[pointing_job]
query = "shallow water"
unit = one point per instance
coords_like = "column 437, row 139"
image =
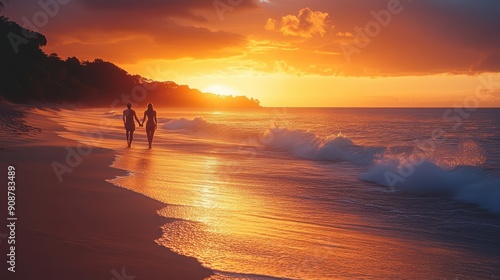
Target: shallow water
column 318, row 193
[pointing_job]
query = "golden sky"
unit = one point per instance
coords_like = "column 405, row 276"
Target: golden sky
column 289, row 52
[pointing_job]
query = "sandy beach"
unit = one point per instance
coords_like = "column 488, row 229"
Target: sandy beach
column 82, row 227
column 256, row 140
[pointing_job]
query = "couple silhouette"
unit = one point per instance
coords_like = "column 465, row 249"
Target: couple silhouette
column 128, row 120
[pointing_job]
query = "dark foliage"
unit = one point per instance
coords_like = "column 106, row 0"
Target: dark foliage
column 29, row 75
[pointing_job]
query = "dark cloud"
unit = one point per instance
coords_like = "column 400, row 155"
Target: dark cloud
column 423, row 37
column 129, row 43
column 127, row 31
column 179, row 8
column 490, row 63
column 427, row 37
column 175, row 5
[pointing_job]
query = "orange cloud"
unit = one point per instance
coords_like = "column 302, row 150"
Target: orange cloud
column 455, row 38
column 270, row 24
column 132, row 46
column 307, row 24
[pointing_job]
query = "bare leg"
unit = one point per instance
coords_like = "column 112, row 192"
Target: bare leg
column 128, row 138
column 152, row 134
column 131, row 138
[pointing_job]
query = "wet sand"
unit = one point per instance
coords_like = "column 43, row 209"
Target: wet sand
column 82, row 227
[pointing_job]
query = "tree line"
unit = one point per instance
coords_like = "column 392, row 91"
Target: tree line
column 30, row 75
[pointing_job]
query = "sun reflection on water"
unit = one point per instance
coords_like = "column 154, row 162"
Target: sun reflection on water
column 266, row 218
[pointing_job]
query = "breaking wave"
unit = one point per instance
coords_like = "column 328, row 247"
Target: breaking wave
column 457, row 174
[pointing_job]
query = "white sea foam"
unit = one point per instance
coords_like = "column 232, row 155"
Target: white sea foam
column 305, row 144
column 465, row 183
column 185, row 124
column 453, row 173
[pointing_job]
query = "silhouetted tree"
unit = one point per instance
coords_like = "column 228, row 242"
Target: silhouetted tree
column 28, row 74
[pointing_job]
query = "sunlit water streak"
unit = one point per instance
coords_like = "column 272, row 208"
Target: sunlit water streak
column 273, row 193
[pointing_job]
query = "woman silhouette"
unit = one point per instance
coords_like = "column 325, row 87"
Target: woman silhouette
column 152, row 123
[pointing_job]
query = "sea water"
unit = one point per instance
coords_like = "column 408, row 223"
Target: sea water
column 288, row 193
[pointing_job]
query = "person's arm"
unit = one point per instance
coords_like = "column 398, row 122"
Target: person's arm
column 156, row 121
column 144, row 119
column 137, row 119
column 123, row 117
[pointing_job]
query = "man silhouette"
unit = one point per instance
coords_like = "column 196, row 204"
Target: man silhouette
column 128, row 120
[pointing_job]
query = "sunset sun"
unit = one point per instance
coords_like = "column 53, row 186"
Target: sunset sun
column 220, row 90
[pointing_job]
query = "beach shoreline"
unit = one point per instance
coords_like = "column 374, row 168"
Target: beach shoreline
column 81, row 227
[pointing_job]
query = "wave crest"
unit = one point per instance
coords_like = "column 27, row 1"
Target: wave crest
column 307, row 145
column 425, row 177
column 450, row 171
column 185, row 124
